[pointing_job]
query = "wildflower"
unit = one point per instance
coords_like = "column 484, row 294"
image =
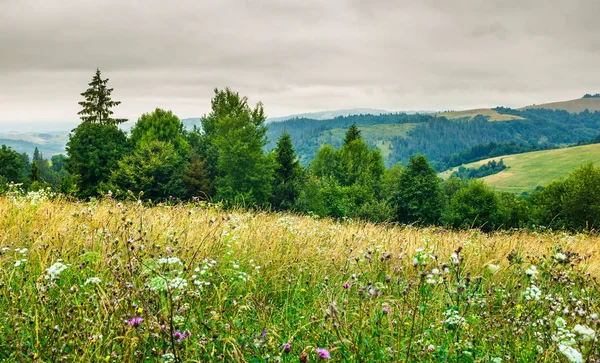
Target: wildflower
column 179, row 336
column 346, row 285
column 178, row 283
column 374, row 292
column 263, row 333
column 586, row 333
column 287, row 347
column 158, row 283
column 19, row 262
column 92, row 280
column 168, row 357
column 454, row 258
column 323, row 353
column 532, row 271
column 572, row 354
column 454, row 319
column 135, row 322
column 53, row 272
column 561, row 257
column 168, row 261
column 560, row 323
column 532, row 293
column 430, row 348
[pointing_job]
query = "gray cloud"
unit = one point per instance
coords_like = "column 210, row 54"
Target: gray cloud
column 295, row 55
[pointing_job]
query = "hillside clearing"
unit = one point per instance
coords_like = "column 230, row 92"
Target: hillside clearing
column 572, row 106
column 492, row 114
column 526, row 171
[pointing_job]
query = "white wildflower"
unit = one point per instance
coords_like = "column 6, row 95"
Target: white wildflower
column 586, row 333
column 93, row 280
column 572, row 354
column 168, row 357
column 53, row 272
column 454, row 258
column 560, row 257
column 178, row 283
column 169, row 260
column 532, row 271
column 532, row 293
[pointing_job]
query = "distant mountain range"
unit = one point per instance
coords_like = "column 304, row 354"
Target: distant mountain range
column 327, row 115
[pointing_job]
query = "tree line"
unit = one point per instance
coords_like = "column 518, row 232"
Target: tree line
column 224, row 160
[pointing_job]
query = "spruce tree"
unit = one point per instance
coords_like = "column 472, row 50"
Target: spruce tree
column 98, row 103
column 352, row 134
column 35, row 174
column 287, row 173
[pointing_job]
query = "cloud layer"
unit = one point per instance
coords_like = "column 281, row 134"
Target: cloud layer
column 295, row 55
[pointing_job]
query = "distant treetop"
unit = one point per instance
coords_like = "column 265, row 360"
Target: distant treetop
column 587, row 95
column 98, row 103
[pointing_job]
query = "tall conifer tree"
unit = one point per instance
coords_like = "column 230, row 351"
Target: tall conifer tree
column 98, row 103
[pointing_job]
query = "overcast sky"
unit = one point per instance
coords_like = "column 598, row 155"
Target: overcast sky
column 295, row 56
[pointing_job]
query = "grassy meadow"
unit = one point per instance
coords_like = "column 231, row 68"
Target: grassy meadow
column 526, row 171
column 107, row 281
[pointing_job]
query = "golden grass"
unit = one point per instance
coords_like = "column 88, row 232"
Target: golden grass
column 273, row 239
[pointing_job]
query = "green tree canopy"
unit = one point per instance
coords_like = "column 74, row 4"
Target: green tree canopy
column 238, row 134
column 419, row 197
column 154, row 169
column 160, row 125
column 11, row 165
column 98, row 104
column 474, row 205
column 93, row 151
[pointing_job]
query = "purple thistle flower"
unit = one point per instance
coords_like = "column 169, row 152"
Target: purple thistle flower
column 179, row 336
column 135, row 322
column 386, row 310
column 263, row 334
column 287, row 347
column 346, row 285
column 323, row 353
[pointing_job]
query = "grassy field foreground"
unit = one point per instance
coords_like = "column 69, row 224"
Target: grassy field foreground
column 112, row 282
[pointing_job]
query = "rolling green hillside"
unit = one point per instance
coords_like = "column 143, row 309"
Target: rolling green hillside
column 527, row 171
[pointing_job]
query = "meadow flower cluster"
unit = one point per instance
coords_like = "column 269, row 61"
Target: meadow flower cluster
column 119, row 282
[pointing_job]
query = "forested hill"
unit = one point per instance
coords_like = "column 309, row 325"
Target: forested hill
column 400, row 135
